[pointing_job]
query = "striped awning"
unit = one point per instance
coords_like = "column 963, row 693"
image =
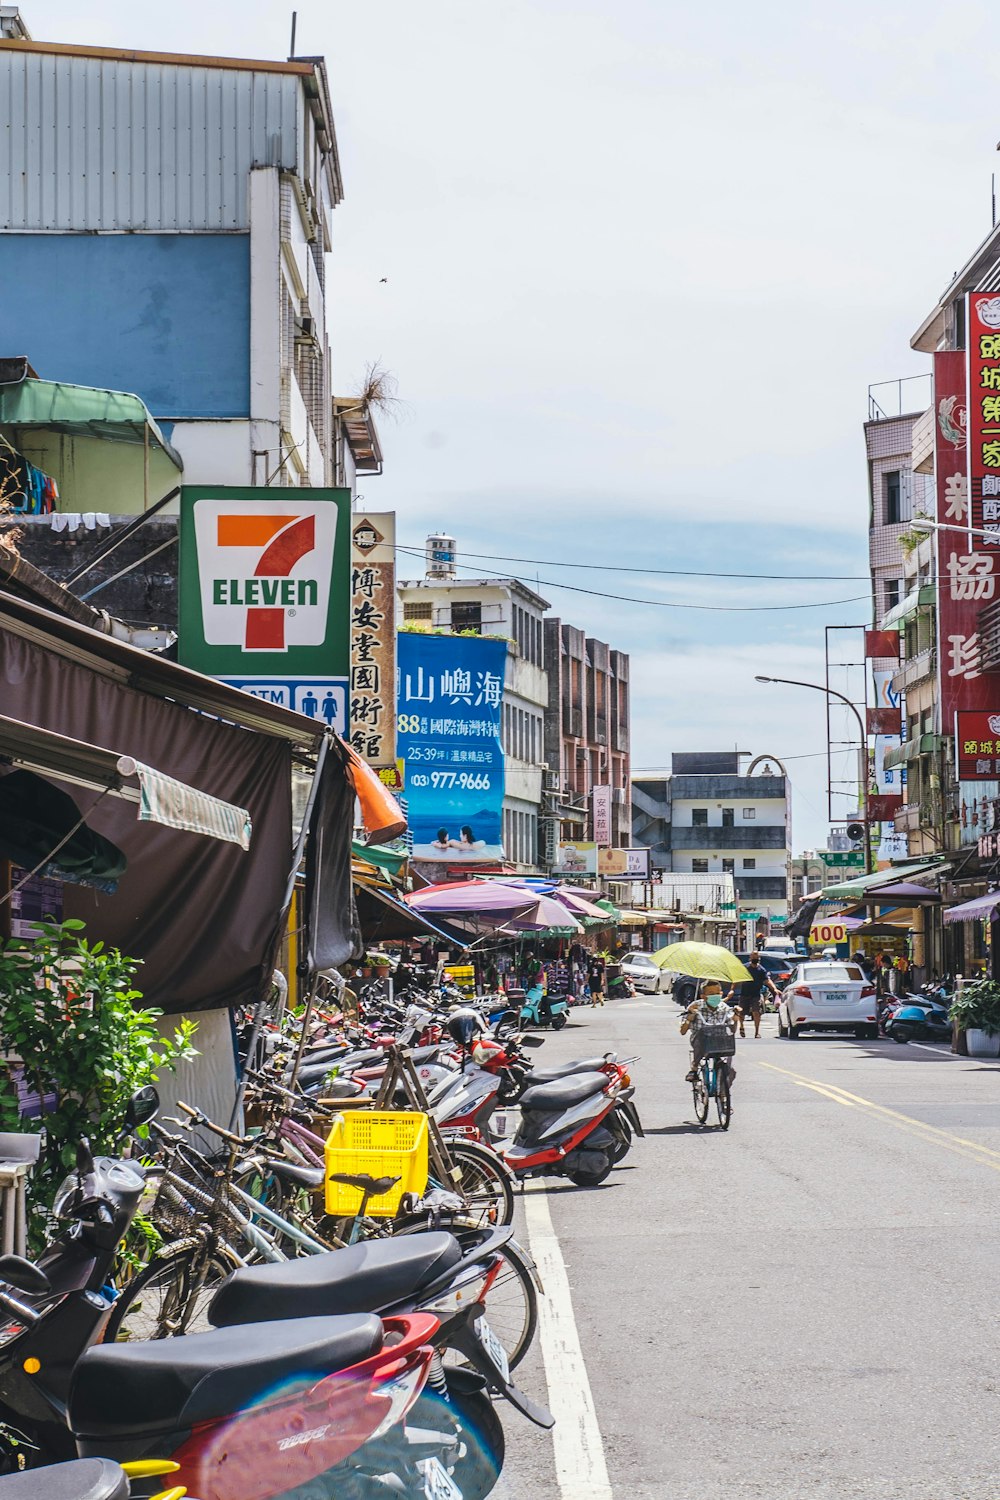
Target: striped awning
column 176, row 805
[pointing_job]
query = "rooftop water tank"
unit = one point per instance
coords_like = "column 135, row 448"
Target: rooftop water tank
column 440, row 554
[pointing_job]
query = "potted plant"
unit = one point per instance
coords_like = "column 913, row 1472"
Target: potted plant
column 976, row 1011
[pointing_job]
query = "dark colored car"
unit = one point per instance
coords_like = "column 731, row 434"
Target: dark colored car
column 780, row 966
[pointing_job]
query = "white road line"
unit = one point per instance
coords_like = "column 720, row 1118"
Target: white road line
column 581, row 1471
column 942, row 1049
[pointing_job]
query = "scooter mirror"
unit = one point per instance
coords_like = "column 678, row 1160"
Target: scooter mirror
column 22, row 1275
column 532, row 1041
column 142, row 1106
column 84, row 1157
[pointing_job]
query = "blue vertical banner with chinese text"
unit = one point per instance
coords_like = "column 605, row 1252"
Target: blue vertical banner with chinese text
column 449, row 702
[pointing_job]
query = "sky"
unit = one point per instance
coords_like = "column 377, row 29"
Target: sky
column 641, row 264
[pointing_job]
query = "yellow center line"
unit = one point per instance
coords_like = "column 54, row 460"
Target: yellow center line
column 827, row 1093
column 985, row 1155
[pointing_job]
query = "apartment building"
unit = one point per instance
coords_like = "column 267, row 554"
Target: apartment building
column 164, row 225
column 587, row 735
column 706, row 816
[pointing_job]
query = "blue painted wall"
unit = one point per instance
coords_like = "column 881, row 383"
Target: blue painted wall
column 165, row 316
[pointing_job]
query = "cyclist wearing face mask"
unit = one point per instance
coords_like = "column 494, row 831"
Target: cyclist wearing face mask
column 708, row 1010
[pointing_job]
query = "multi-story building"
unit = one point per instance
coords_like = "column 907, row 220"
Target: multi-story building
column 587, row 735
column 164, row 223
column 441, row 601
column 896, row 491
column 707, row 817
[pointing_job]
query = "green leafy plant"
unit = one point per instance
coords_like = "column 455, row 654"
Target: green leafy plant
column 68, row 1018
column 978, row 1006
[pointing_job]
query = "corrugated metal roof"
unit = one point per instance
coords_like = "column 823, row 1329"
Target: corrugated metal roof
column 113, row 142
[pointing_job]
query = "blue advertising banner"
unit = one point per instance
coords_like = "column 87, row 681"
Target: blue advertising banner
column 448, row 734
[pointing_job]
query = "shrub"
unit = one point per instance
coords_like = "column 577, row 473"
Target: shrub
column 67, row 1013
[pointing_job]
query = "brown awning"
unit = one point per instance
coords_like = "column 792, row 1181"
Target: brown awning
column 202, row 915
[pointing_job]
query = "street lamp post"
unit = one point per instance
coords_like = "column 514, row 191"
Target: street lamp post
column 832, row 693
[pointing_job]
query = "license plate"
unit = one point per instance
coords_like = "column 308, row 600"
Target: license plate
column 438, row 1483
column 493, row 1347
column 835, row 997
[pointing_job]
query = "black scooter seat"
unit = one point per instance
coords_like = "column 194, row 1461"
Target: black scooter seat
column 549, row 1075
column 82, row 1479
column 370, row 1277
column 172, row 1383
column 563, row 1093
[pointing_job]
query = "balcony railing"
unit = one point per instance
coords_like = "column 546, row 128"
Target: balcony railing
column 915, row 670
column 756, row 836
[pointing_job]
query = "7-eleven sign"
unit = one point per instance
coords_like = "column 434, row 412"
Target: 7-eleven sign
column 264, row 571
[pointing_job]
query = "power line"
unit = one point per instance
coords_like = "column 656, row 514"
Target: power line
column 553, row 562
column 551, row 583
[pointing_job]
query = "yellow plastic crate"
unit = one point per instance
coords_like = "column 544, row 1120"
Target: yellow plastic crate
column 382, row 1144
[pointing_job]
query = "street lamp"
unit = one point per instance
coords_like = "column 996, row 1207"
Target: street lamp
column 832, row 693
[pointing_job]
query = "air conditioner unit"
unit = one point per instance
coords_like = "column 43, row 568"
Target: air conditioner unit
column 305, row 327
column 551, row 780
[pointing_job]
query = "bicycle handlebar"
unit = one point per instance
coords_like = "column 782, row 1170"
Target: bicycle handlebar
column 202, row 1119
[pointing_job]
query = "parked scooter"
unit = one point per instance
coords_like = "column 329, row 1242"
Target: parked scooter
column 568, row 1127
column 90, row 1479
column 914, row 1018
column 539, row 1009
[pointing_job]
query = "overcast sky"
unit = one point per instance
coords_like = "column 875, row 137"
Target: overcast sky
column 643, row 261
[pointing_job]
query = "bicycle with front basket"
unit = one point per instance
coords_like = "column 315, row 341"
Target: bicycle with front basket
column 711, row 1080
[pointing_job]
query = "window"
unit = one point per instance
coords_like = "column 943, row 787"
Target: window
column 728, row 817
column 749, row 864
column 699, row 817
column 749, row 813
column 893, row 497
column 417, row 611
column 699, row 866
column 893, row 590
column 728, row 866
column 467, row 616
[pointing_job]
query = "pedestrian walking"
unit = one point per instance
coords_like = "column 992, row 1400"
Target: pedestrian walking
column 595, row 979
column 751, row 993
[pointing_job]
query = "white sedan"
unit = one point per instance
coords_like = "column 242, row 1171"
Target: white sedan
column 828, row 996
column 641, row 972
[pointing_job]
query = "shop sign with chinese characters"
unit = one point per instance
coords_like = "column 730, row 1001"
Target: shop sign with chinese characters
column 977, row 746
column 965, row 572
column 371, row 706
column 449, row 698
column 601, row 796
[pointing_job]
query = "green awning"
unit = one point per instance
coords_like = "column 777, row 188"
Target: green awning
column 392, row 860
column 82, row 411
column 609, row 907
column 850, row 890
column 921, row 744
column 917, row 599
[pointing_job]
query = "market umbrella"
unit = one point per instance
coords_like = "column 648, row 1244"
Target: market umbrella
column 547, row 912
column 476, row 898
column 702, row 961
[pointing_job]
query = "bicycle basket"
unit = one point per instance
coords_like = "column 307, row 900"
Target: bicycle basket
column 186, row 1199
column 718, row 1041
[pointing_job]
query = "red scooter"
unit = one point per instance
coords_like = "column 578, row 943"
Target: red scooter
column 570, row 1124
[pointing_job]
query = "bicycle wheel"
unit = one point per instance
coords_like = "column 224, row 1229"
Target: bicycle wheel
column 723, row 1100
column 512, row 1301
column 170, row 1296
column 700, row 1090
column 486, row 1182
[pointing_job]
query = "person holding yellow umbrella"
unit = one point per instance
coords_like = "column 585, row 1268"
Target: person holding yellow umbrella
column 714, row 966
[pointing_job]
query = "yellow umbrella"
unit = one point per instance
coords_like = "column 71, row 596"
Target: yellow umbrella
column 702, row 961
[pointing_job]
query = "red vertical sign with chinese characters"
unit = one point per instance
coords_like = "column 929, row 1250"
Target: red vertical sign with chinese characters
column 965, row 564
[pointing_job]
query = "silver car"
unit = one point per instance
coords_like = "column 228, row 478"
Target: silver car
column 641, row 972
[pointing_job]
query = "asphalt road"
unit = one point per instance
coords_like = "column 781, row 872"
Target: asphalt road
column 805, row 1306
